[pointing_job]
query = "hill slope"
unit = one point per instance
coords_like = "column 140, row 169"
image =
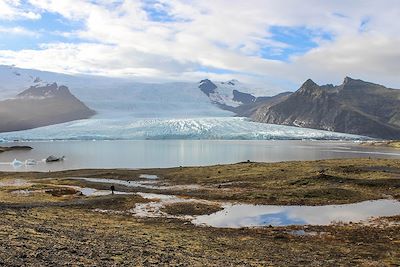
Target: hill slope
column 41, row 106
column 355, row 107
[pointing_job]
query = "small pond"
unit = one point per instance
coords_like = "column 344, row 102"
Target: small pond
column 245, row 215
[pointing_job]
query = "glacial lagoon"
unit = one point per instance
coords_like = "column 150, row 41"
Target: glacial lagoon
column 133, row 154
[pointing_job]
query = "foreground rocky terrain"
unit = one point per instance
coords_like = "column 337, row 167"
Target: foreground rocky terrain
column 44, row 220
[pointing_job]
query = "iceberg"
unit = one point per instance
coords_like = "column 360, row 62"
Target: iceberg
column 16, row 163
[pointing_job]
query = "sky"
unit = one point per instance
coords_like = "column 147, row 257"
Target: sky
column 273, row 44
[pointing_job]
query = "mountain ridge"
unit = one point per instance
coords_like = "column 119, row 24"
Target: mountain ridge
column 41, row 106
column 355, row 107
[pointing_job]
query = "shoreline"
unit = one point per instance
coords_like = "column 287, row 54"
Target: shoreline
column 385, row 143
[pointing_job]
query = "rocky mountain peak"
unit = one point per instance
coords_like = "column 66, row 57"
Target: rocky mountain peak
column 46, row 91
column 207, row 86
column 355, row 107
column 353, row 84
column 347, row 80
column 309, row 83
column 309, row 87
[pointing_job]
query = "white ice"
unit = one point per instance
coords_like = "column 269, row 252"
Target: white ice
column 224, row 128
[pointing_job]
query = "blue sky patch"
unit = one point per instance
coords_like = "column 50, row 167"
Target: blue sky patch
column 364, row 24
column 297, row 40
column 215, row 70
column 157, row 12
column 47, row 29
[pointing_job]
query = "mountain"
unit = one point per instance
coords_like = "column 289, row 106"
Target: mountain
column 226, row 95
column 247, row 109
column 132, row 109
column 119, row 97
column 41, row 105
column 116, row 97
column 235, row 97
column 355, row 107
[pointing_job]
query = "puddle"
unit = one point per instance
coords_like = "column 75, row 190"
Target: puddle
column 243, row 215
column 137, row 184
column 87, row 191
column 148, row 176
column 303, row 233
column 238, row 215
column 142, row 184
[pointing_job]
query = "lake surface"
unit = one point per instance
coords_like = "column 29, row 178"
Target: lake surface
column 172, row 153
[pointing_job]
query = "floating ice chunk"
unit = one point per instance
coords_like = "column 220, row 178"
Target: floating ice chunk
column 17, row 163
column 30, row 162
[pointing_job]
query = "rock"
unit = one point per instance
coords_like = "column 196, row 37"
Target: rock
column 54, row 158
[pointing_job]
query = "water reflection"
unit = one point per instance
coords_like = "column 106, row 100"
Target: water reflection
column 235, row 216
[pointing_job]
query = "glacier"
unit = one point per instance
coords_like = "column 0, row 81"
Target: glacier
column 214, row 128
column 132, row 110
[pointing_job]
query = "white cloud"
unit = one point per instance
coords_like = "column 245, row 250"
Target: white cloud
column 18, row 31
column 120, row 38
column 13, row 9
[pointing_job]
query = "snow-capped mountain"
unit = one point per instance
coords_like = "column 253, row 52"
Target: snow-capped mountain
column 112, row 96
column 227, row 94
column 127, row 109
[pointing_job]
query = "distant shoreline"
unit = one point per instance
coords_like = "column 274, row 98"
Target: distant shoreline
column 390, row 143
column 12, row 148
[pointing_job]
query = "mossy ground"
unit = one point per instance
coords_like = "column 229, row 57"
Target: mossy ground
column 191, row 208
column 53, row 229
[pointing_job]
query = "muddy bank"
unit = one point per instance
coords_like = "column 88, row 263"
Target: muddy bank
column 391, row 144
column 13, row 148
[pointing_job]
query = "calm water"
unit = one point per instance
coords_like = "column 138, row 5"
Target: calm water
column 235, row 216
column 171, row 153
